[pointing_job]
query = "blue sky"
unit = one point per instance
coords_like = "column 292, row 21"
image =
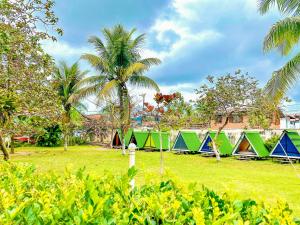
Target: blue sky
column 193, row 38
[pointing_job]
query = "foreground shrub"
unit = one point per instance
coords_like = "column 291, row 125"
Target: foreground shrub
column 31, row 198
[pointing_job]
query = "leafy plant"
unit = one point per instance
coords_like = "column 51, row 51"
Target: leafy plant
column 28, row 197
column 52, row 137
column 271, row 142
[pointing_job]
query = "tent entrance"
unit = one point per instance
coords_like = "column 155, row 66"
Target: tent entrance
column 133, row 140
column 116, row 140
column 180, row 144
column 245, row 148
column 150, row 143
column 207, row 146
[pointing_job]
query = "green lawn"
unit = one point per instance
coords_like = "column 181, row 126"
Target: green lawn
column 261, row 180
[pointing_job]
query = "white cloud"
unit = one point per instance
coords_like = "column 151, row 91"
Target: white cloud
column 60, row 49
column 179, row 23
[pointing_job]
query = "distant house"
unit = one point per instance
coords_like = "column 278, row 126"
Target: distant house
column 240, row 121
column 290, row 121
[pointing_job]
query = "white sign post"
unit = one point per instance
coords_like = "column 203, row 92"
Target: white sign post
column 132, row 148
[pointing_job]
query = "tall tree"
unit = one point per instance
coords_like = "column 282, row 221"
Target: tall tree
column 284, row 35
column 226, row 96
column 119, row 64
column 66, row 79
column 24, row 66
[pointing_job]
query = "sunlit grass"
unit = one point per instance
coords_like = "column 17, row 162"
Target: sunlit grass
column 261, row 180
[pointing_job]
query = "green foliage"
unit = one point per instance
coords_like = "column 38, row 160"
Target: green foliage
column 271, row 142
column 75, row 140
column 284, row 36
column 118, row 63
column 51, row 138
column 28, row 197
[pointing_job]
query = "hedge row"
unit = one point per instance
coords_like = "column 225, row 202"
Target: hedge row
column 28, row 197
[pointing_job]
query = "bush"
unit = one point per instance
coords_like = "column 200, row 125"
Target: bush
column 271, row 142
column 28, row 197
column 51, row 138
column 75, row 140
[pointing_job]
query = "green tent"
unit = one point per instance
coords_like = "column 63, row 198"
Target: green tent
column 153, row 141
column 251, row 144
column 187, row 141
column 128, row 136
column 223, row 143
column 139, row 138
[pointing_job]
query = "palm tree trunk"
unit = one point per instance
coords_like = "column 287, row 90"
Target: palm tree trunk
column 124, row 112
column 122, row 117
column 3, row 148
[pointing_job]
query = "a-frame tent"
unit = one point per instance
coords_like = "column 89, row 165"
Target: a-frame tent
column 117, row 142
column 288, row 145
column 153, row 141
column 224, row 146
column 251, row 144
column 187, row 141
column 139, row 138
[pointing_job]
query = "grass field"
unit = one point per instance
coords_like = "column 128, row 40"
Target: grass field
column 260, row 180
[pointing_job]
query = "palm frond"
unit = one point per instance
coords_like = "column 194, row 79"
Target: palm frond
column 138, row 42
column 99, row 46
column 92, row 80
column 97, row 62
column 134, row 68
column 84, row 92
column 290, row 7
column 284, row 78
column 143, row 81
column 108, row 89
column 283, row 35
column 150, row 62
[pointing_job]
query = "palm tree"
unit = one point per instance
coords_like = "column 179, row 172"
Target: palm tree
column 119, row 63
column 284, row 35
column 66, row 79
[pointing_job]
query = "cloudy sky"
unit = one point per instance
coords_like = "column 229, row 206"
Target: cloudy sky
column 193, row 38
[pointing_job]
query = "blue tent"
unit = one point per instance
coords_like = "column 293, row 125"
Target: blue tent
column 287, row 146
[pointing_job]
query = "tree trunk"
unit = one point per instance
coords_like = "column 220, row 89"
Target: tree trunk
column 161, row 154
column 65, row 141
column 214, row 145
column 124, row 109
column 3, row 149
column 12, row 144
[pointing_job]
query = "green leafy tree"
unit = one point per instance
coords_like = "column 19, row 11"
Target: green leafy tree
column 226, row 96
column 24, row 66
column 65, row 80
column 119, row 63
column 284, row 36
column 8, row 106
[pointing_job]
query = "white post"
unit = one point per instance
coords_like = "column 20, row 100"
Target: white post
column 131, row 149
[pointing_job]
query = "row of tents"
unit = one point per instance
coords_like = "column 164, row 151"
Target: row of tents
column 142, row 139
column 250, row 143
